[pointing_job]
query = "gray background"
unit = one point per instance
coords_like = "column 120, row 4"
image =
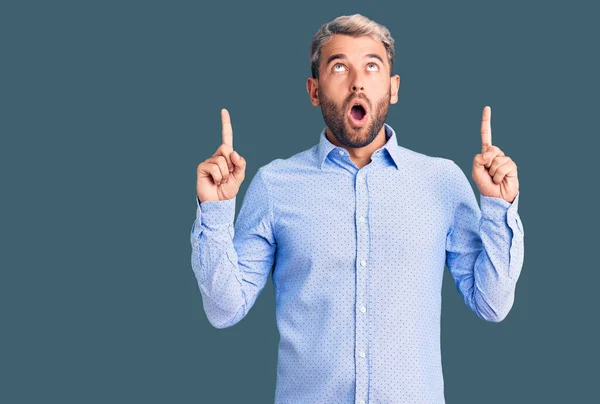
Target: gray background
column 107, row 108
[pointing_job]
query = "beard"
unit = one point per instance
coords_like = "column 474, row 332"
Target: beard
column 338, row 123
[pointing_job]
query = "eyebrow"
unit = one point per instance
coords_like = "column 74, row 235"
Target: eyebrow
column 343, row 56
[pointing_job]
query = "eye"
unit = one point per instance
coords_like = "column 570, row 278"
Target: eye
column 368, row 64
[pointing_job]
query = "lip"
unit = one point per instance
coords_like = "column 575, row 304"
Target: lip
column 363, row 104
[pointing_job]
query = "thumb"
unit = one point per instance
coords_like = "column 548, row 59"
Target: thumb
column 480, row 161
column 239, row 162
column 479, row 171
column 235, row 156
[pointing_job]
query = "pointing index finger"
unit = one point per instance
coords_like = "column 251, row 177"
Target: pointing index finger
column 227, row 131
column 486, row 128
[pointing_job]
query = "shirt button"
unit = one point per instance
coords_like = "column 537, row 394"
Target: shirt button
column 363, row 309
column 341, row 152
column 361, row 354
column 361, row 219
column 363, row 263
column 195, row 244
column 361, row 402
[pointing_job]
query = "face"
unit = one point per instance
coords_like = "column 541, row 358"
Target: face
column 360, row 71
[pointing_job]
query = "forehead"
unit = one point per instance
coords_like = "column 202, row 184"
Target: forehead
column 352, row 46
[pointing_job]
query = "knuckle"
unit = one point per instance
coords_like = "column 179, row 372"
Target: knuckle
column 222, row 161
column 216, row 175
column 499, row 160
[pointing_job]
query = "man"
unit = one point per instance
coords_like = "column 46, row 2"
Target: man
column 356, row 231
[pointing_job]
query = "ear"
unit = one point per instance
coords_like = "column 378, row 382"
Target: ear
column 312, row 87
column 394, row 88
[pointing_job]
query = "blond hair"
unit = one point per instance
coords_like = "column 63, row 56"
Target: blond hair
column 354, row 25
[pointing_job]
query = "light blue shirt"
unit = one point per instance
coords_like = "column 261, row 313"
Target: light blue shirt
column 357, row 260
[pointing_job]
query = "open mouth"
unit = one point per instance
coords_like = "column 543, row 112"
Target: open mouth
column 358, row 114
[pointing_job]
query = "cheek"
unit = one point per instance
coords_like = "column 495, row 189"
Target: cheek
column 331, row 95
column 380, row 88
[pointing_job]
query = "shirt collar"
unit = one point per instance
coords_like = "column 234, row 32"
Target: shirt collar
column 391, row 146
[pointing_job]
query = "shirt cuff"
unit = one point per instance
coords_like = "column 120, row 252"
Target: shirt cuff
column 215, row 213
column 497, row 209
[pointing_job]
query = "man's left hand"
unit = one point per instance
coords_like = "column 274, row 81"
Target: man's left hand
column 494, row 173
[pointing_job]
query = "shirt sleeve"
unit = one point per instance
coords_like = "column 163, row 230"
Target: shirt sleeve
column 232, row 263
column 484, row 249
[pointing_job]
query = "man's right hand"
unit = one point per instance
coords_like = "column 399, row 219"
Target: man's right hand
column 219, row 177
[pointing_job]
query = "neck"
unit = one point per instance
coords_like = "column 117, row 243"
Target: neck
column 361, row 156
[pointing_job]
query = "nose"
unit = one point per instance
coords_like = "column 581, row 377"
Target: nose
column 356, row 81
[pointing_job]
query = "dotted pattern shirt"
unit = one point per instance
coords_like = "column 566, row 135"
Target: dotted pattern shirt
column 357, row 259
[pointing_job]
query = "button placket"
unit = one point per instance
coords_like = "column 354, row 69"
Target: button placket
column 361, row 319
